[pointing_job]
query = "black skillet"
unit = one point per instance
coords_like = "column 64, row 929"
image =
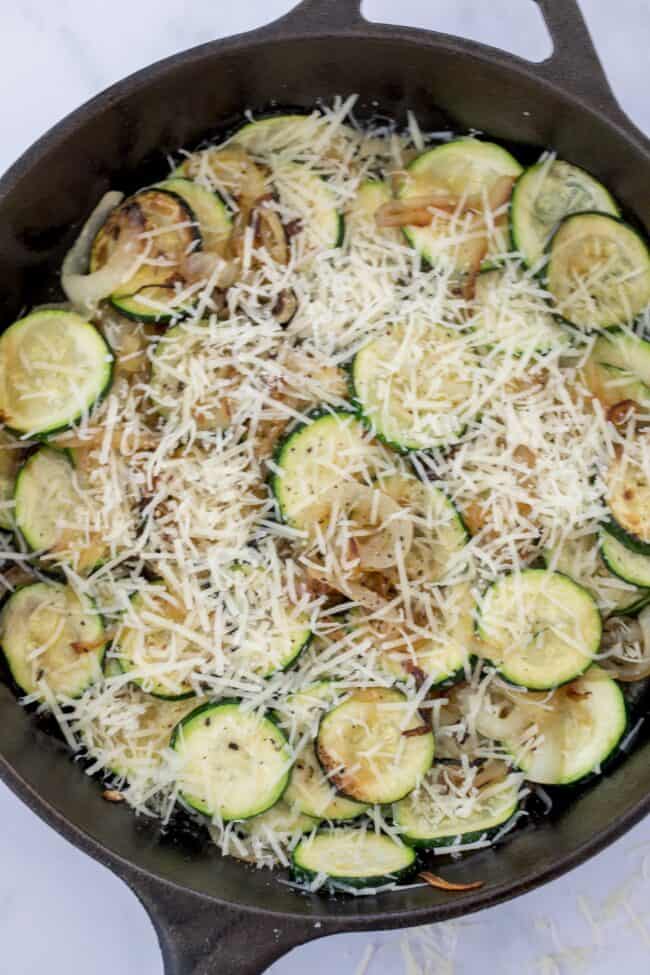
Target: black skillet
column 214, row 914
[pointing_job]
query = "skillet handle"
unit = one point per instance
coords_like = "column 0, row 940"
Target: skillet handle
column 573, row 65
column 199, row 937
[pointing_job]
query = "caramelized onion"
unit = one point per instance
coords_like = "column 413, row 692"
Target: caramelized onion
column 85, row 290
column 433, row 880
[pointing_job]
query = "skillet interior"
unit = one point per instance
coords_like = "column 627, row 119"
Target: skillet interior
column 119, row 141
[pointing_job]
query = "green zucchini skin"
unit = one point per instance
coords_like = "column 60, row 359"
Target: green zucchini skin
column 274, row 761
column 304, row 861
column 624, row 562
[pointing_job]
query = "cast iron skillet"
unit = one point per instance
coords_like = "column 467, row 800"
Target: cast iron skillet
column 214, row 914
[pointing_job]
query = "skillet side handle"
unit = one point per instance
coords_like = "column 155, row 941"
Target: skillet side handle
column 574, row 64
column 199, row 937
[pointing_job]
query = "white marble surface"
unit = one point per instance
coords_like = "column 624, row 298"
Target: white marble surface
column 60, row 912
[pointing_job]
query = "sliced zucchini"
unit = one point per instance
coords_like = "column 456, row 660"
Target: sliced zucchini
column 309, row 789
column 280, row 818
column 211, row 212
column 228, row 170
column 464, row 170
column 133, row 752
column 354, row 857
column 179, row 363
column 234, row 763
column 546, row 193
column 439, row 533
column 54, row 367
column 269, row 632
column 630, row 566
column 512, row 318
column 580, row 559
column 576, row 736
column 372, row 194
column 285, row 135
column 165, row 223
column 628, row 497
column 541, row 629
column 309, row 197
column 365, row 747
column 442, row 812
column 150, row 648
column 52, row 636
column 618, row 369
column 441, row 657
column 11, row 456
column 51, row 512
column 598, row 271
column 314, row 458
column 412, row 385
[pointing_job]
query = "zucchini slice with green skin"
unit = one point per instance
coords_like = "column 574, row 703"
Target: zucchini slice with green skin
column 60, row 357
column 575, row 738
column 412, row 385
column 628, row 499
column 314, row 458
column 49, row 512
column 598, row 271
column 139, row 648
column 441, row 657
column 365, row 747
column 169, row 226
column 11, row 457
column 546, row 193
column 462, row 169
column 308, row 195
column 50, row 634
column 288, row 136
column 280, row 818
column 541, row 629
column 582, row 560
column 618, row 369
column 309, row 789
column 235, row 763
column 513, row 320
column 354, row 857
column 439, row 532
column 426, row 819
column 212, row 214
column 274, row 637
column 627, row 565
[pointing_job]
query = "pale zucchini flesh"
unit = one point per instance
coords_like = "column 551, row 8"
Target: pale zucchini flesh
column 309, row 790
column 52, row 639
column 308, row 195
column 598, row 272
column 628, row 499
column 142, row 650
column 211, row 213
column 583, row 560
column 11, row 456
column 631, row 566
column 461, row 169
column 363, row 747
column 540, row 628
column 155, row 291
column 54, row 367
column 511, row 319
column 412, row 385
column 310, row 460
column 234, row 763
column 546, row 193
column 426, row 817
column 354, row 857
column 587, row 721
column 50, row 512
